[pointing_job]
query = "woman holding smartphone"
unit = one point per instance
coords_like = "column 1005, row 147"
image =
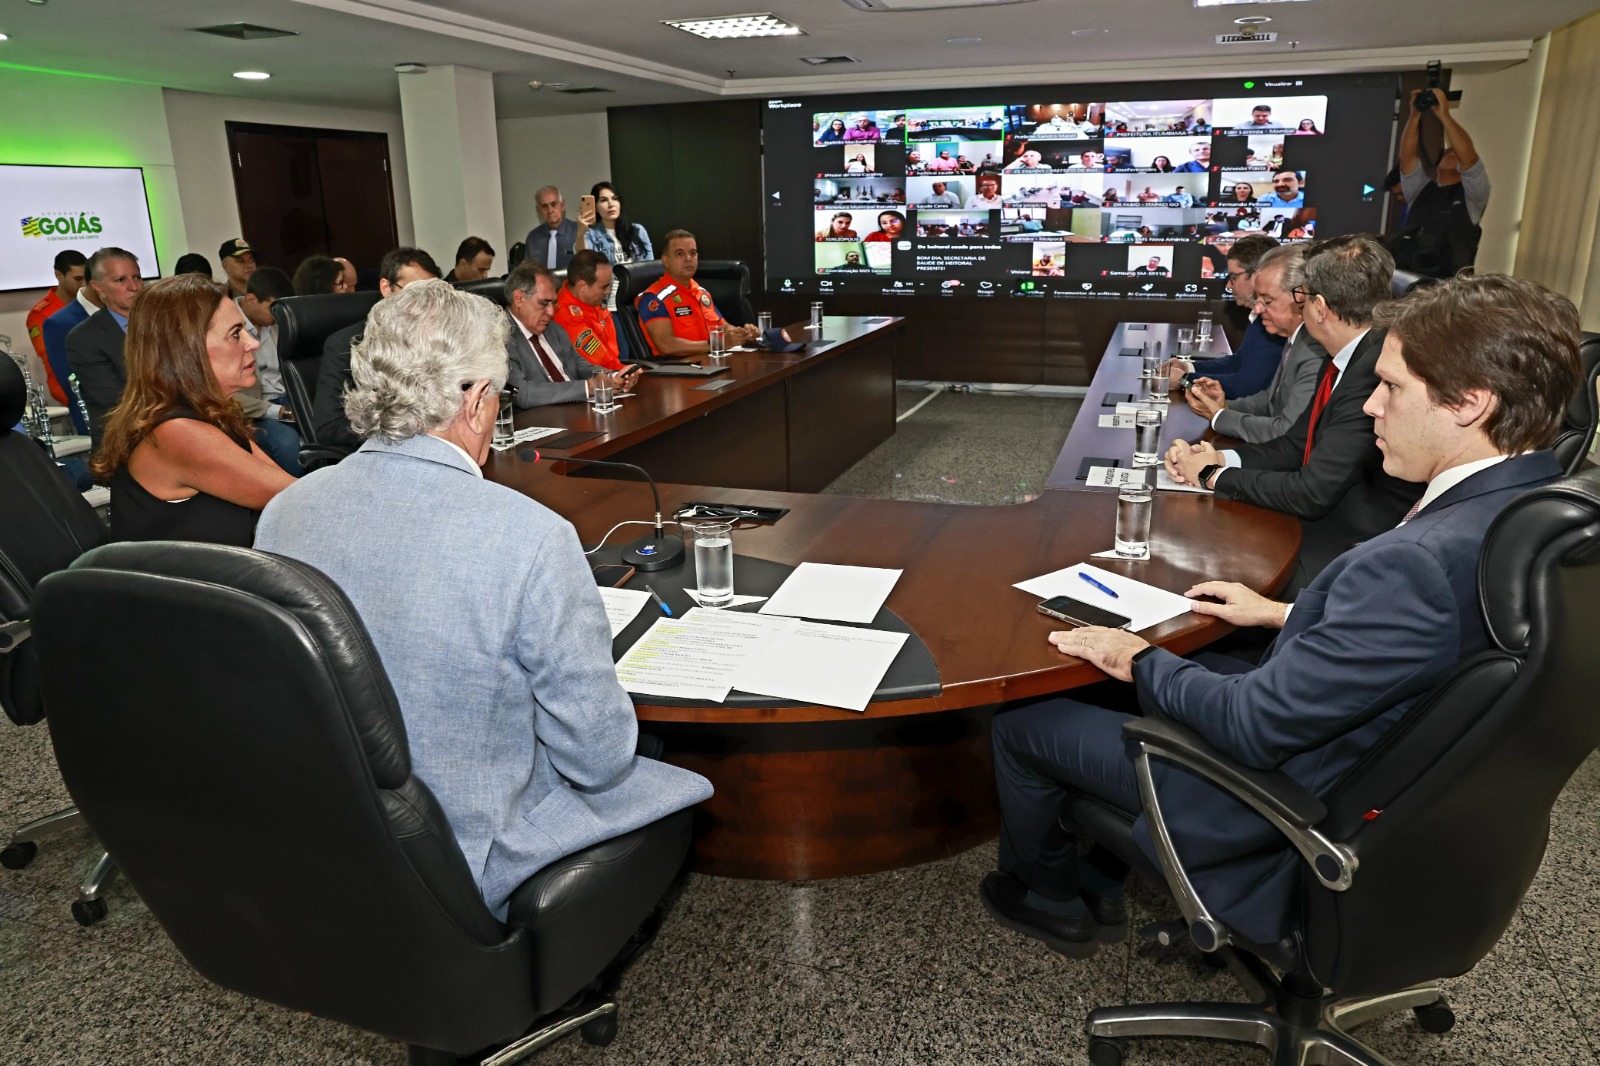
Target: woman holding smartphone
column 614, row 235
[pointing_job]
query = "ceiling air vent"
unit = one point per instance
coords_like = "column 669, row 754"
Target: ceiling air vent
column 1246, row 38
column 822, row 61
column 245, row 31
column 579, row 90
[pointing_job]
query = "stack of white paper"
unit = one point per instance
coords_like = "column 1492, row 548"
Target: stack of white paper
column 1145, row 604
column 812, row 662
column 841, row 593
column 697, row 656
column 705, row 654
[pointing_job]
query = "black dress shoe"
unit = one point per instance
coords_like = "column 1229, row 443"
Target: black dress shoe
column 1002, row 898
column 1110, row 916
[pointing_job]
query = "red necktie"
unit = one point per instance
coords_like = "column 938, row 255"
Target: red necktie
column 551, row 367
column 1324, row 390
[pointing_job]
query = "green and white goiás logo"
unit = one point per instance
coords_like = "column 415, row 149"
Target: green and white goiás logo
column 61, row 227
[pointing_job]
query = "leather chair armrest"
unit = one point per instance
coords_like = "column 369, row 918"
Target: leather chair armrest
column 1290, row 808
column 1260, row 788
column 13, row 634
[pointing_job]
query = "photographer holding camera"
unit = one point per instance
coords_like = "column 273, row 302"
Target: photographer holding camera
column 1442, row 229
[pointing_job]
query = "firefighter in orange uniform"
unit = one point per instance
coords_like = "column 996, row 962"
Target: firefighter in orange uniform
column 676, row 313
column 581, row 309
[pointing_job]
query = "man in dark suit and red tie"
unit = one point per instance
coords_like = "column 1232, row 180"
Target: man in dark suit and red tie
column 1326, row 470
column 1467, row 398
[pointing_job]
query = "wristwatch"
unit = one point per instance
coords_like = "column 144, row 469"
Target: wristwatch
column 1209, row 472
column 1140, row 654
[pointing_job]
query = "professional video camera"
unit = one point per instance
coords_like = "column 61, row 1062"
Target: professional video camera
column 1427, row 99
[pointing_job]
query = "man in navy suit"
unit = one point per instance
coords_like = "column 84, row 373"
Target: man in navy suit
column 1472, row 383
column 1250, row 369
column 55, row 330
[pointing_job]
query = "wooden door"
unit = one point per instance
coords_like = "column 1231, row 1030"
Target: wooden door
column 304, row 191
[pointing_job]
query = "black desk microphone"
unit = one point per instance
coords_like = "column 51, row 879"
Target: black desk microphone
column 657, row 551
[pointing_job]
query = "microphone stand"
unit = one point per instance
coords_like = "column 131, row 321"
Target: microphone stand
column 656, row 551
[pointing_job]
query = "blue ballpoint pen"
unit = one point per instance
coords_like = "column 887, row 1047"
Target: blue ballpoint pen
column 1098, row 585
column 661, row 603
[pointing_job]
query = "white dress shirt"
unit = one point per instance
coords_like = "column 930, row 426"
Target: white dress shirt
column 1449, row 479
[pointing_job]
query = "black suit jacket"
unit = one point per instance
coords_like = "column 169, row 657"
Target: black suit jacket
column 1342, row 496
column 327, row 408
column 94, row 351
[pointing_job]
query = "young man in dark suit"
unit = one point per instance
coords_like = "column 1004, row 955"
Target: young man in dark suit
column 1473, row 379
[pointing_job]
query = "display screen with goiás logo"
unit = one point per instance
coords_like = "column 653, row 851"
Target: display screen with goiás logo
column 46, row 210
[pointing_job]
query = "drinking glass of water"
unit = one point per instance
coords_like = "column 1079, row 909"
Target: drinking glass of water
column 1147, row 437
column 505, row 432
column 816, row 316
column 713, row 562
column 602, row 395
column 1134, row 504
column 1152, row 364
column 719, row 343
column 764, row 322
column 1202, row 331
column 1185, row 340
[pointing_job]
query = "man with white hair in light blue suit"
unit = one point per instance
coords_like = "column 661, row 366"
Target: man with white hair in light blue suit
column 479, row 601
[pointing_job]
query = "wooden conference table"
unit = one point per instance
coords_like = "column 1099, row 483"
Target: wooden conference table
column 804, row 792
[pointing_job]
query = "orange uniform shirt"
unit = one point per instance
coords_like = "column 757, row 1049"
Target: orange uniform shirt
column 35, row 322
column 590, row 329
column 687, row 308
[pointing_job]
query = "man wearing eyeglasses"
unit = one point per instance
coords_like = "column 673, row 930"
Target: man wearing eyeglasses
column 1251, row 368
column 543, row 365
column 1269, row 413
column 1327, row 469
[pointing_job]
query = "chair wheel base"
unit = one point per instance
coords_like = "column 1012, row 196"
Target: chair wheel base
column 1104, row 1052
column 601, row 1031
column 18, row 855
column 1435, row 1017
column 89, row 911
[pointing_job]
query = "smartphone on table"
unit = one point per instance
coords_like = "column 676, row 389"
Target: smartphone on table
column 1082, row 614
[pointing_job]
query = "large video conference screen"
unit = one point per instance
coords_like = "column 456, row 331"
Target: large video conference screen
column 1136, row 190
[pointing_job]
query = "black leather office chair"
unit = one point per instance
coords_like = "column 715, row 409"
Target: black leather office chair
column 632, row 279
column 1416, row 864
column 1578, row 425
column 46, row 526
column 489, row 288
column 276, row 830
column 304, row 325
column 518, row 252
column 1404, row 281
column 728, row 282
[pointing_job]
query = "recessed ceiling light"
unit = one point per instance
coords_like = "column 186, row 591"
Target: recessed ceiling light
column 1229, row 3
column 1252, row 20
column 964, row 40
column 3, row 37
column 1086, row 32
column 764, row 24
column 252, row 75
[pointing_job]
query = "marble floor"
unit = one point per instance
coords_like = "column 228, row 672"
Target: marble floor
column 900, row 967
